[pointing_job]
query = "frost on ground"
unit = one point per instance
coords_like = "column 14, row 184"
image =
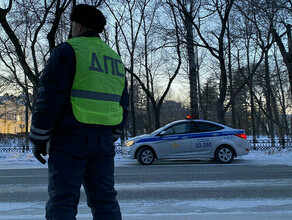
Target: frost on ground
column 10, row 160
column 172, row 209
column 268, row 157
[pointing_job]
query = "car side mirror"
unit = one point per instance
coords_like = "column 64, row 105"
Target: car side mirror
column 162, row 133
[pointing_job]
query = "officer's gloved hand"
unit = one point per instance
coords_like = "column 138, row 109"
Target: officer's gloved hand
column 117, row 133
column 39, row 149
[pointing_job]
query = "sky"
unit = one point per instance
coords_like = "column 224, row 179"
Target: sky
column 205, row 209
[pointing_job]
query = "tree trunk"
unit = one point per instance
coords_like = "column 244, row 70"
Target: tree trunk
column 223, row 77
column 199, row 82
column 252, row 104
column 26, row 127
column 157, row 116
column 282, row 92
column 277, row 119
column 193, row 74
column 133, row 127
column 233, row 118
column 253, row 115
column 222, row 90
column 148, row 109
column 287, row 56
column 268, row 97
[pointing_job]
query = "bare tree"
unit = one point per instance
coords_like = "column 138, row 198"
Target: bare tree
column 25, row 39
column 286, row 54
column 263, row 40
column 280, row 19
column 208, row 101
column 157, row 103
column 188, row 14
column 282, row 93
column 23, row 50
column 222, row 10
column 129, row 26
column 148, row 31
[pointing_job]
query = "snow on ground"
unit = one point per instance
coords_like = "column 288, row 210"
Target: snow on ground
column 19, row 160
column 204, row 209
column 172, row 210
column 269, row 157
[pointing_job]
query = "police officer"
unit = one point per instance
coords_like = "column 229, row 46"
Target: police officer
column 80, row 110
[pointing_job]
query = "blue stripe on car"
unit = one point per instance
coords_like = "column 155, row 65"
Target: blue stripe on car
column 188, row 136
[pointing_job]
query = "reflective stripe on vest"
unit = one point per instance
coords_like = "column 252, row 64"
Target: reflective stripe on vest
column 98, row 84
column 95, row 95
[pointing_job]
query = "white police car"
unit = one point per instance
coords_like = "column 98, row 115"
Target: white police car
column 188, row 139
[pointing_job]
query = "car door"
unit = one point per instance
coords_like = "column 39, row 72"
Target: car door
column 205, row 138
column 175, row 141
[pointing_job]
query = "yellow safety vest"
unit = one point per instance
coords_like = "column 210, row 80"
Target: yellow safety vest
column 99, row 82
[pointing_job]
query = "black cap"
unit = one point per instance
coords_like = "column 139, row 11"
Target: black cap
column 88, row 16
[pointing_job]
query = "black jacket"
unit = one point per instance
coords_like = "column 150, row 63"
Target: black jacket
column 53, row 111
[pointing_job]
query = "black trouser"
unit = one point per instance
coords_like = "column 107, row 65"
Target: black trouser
column 82, row 157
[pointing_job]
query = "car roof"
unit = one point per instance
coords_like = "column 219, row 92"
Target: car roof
column 196, row 120
column 188, row 120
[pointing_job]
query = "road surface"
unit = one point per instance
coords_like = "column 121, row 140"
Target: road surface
column 168, row 190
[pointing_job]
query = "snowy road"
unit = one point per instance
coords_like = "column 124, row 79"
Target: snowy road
column 253, row 187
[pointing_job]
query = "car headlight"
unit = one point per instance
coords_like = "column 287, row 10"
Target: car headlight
column 129, row 143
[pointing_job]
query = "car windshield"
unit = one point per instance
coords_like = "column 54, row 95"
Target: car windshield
column 158, row 130
column 162, row 128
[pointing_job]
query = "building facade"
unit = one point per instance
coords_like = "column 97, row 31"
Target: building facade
column 12, row 116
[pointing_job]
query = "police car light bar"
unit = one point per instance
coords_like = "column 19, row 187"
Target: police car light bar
column 191, row 117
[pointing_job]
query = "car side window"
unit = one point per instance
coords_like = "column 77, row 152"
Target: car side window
column 204, row 127
column 182, row 128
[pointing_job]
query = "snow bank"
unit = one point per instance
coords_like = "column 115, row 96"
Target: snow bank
column 269, row 157
column 12, row 160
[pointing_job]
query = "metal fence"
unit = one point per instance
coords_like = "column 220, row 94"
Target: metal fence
column 24, row 149
column 264, row 144
column 119, row 149
column 267, row 144
column 19, row 149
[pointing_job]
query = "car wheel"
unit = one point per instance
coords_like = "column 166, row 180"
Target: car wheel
column 224, row 154
column 145, row 156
